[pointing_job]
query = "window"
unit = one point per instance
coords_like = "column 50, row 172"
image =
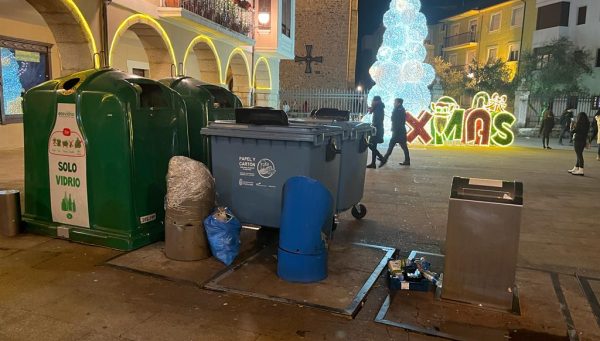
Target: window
column 516, row 19
column 471, row 57
column 513, row 52
column 286, row 20
column 543, row 57
column 454, row 30
column 492, row 54
column 473, row 26
column 24, row 65
column 443, row 29
column 581, row 14
column 495, row 21
column 139, row 72
column 264, row 15
column 453, row 59
column 598, row 58
column 553, row 15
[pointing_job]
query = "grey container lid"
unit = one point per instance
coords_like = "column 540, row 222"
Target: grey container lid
column 351, row 128
column 315, row 134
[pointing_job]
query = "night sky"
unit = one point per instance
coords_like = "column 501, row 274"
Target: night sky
column 371, row 16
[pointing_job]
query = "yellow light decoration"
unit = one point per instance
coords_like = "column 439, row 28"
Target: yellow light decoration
column 264, row 60
column 211, row 45
column 239, row 51
column 86, row 28
column 144, row 19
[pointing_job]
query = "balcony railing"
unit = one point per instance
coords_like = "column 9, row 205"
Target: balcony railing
column 460, row 39
column 223, row 12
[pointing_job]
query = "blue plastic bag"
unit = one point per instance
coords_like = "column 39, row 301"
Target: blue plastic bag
column 223, row 232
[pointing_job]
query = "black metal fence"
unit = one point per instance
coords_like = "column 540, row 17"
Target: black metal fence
column 579, row 102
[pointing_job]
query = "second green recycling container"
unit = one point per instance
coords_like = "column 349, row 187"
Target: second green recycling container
column 204, row 103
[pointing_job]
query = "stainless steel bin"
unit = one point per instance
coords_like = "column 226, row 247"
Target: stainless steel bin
column 10, row 213
column 482, row 241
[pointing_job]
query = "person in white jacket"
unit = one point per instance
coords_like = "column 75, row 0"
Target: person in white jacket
column 595, row 132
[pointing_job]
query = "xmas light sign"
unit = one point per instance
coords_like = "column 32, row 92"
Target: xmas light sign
column 486, row 123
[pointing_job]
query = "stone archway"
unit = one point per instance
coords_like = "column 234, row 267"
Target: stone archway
column 262, row 82
column 202, row 61
column 237, row 78
column 74, row 39
column 155, row 41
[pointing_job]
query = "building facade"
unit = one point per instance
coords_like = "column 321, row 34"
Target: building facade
column 331, row 29
column 576, row 20
column 501, row 31
column 235, row 44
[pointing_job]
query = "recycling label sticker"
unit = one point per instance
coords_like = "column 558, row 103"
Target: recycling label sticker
column 67, row 161
column 256, row 172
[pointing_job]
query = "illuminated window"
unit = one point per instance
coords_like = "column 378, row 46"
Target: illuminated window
column 264, row 14
column 495, row 21
column 24, row 65
column 516, row 19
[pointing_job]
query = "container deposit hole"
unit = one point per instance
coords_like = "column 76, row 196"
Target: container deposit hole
column 70, row 84
column 152, row 96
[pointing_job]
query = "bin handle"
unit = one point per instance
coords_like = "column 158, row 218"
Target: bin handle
column 332, row 150
column 364, row 144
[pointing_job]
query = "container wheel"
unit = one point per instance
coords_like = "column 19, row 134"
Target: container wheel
column 359, row 211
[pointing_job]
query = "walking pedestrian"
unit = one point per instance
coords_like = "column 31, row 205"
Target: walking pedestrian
column 398, row 133
column 580, row 140
column 546, row 128
column 566, row 119
column 286, row 107
column 596, row 132
column 377, row 110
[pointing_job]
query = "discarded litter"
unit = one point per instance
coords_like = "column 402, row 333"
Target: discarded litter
column 223, row 231
column 412, row 274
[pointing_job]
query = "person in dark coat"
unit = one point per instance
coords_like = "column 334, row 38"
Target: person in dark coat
column 378, row 111
column 398, row 133
column 580, row 140
column 546, row 128
column 565, row 120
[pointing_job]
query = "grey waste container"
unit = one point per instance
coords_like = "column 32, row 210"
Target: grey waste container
column 251, row 163
column 10, row 213
column 353, row 161
column 482, row 241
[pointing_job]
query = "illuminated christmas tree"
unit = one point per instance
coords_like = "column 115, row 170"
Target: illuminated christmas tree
column 400, row 71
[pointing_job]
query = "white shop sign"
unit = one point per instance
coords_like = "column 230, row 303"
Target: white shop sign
column 67, row 161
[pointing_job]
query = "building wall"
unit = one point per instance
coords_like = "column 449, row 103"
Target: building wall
column 585, row 35
column 500, row 39
column 507, row 34
column 164, row 35
column 326, row 26
column 23, row 22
